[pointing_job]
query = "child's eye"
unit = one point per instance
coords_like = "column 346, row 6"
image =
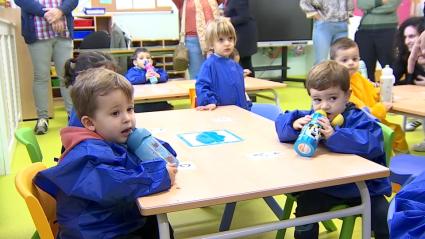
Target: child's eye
column 316, row 101
column 333, row 98
column 130, row 109
column 115, row 113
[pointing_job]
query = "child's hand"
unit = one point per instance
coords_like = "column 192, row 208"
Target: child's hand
column 172, row 171
column 420, row 80
column 388, row 105
column 207, row 107
column 299, row 123
column 246, row 72
column 327, row 130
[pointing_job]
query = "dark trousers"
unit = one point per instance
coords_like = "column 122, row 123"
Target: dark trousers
column 375, row 45
column 246, row 63
column 314, row 201
column 148, row 231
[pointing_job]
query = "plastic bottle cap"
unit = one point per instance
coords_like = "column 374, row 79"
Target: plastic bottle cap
column 387, row 70
column 322, row 112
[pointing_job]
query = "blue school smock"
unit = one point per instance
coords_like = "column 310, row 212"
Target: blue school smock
column 96, row 184
column 137, row 75
column 408, row 219
column 220, row 81
column 359, row 134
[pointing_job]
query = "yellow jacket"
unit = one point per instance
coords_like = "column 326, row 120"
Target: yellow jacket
column 365, row 94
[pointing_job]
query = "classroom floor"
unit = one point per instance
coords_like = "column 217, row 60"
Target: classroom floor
column 15, row 221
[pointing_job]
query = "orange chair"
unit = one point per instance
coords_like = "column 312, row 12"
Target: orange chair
column 192, row 97
column 41, row 205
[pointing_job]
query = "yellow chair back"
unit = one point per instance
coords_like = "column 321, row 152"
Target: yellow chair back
column 41, row 205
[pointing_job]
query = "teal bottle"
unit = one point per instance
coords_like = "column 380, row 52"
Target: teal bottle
column 308, row 140
column 146, row 147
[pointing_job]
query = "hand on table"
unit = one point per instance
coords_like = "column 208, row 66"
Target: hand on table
column 206, row 107
column 172, row 171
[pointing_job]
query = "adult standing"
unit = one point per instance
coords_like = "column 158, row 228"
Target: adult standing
column 47, row 28
column 375, row 35
column 330, row 23
column 246, row 30
column 198, row 13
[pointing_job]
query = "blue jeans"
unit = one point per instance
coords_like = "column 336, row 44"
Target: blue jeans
column 324, row 34
column 195, row 55
column 42, row 52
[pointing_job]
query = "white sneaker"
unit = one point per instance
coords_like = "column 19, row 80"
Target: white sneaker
column 411, row 126
column 41, row 126
column 419, row 147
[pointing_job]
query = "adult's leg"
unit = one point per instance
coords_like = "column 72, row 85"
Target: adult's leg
column 364, row 39
column 322, row 38
column 339, row 30
column 62, row 51
column 384, row 46
column 246, row 63
column 41, row 54
column 195, row 55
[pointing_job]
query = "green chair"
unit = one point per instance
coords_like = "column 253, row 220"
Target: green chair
column 26, row 137
column 347, row 222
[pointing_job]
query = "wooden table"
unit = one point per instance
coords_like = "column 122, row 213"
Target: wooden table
column 258, row 166
column 179, row 89
column 409, row 101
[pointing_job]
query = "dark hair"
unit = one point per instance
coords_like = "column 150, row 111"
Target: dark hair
column 328, row 74
column 87, row 60
column 401, row 52
column 137, row 51
column 341, row 44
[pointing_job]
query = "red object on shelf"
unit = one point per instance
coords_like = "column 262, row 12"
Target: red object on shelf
column 82, row 22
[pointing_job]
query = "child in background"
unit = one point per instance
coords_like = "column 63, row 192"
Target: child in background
column 84, row 61
column 221, row 80
column 138, row 75
column 364, row 94
column 328, row 85
column 97, row 181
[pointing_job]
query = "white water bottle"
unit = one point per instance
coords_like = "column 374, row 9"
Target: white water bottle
column 363, row 69
column 386, row 82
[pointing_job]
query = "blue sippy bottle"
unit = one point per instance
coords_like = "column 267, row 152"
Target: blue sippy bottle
column 310, row 135
column 146, row 147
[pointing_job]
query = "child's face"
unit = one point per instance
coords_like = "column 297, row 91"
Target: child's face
column 114, row 118
column 224, row 45
column 331, row 100
column 410, row 35
column 142, row 57
column 349, row 58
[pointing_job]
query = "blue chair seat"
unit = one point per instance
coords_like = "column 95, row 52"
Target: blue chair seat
column 268, row 111
column 404, row 166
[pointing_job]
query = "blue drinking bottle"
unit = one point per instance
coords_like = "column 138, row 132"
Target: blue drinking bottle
column 310, row 135
column 146, row 147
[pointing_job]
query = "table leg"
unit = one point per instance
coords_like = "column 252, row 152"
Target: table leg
column 163, row 226
column 366, row 214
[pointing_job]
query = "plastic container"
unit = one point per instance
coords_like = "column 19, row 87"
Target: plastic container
column 151, row 70
column 310, row 135
column 386, row 83
column 146, row 147
column 80, row 34
column 83, row 22
column 363, row 69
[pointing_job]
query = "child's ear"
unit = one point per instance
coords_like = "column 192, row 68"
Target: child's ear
column 88, row 123
column 135, row 62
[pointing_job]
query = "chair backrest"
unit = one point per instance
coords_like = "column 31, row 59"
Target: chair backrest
column 96, row 40
column 388, row 142
column 26, row 137
column 268, row 111
column 41, row 205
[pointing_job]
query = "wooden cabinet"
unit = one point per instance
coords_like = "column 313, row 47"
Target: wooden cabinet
column 84, row 25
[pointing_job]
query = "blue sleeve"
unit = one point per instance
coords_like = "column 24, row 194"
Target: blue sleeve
column 358, row 135
column 204, row 86
column 284, row 129
column 68, row 6
column 101, row 177
column 31, row 7
column 163, row 76
column 136, row 76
